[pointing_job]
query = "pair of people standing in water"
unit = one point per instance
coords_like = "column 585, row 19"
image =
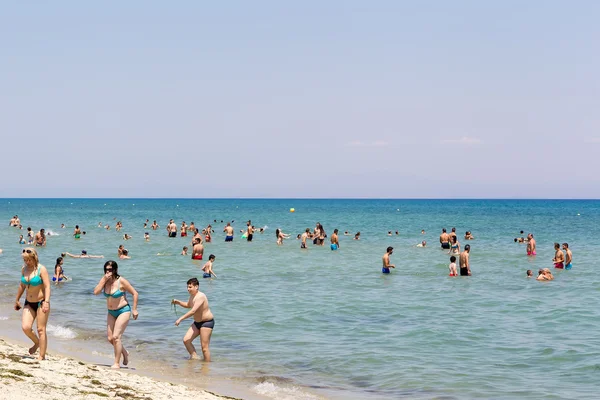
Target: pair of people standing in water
column 35, row 282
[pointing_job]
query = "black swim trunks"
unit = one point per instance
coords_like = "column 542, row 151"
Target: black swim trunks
column 249, row 237
column 172, row 234
column 446, row 245
column 464, row 271
column 205, row 324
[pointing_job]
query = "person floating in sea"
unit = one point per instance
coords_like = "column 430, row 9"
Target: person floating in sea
column 531, row 245
column 115, row 288
column 463, row 261
column 452, row 266
column 422, row 244
column 83, row 254
column 568, row 256
column 198, row 250
column 559, row 257
column 127, row 237
column 36, row 283
column 207, row 268
column 445, row 240
column 386, row 260
column 204, row 321
column 335, row 243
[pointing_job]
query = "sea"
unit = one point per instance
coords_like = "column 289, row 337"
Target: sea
column 322, row 324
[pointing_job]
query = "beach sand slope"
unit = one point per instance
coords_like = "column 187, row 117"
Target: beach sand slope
column 23, row 378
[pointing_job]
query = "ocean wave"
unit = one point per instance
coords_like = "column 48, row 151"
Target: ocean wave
column 2, row 318
column 52, row 233
column 273, row 391
column 61, row 332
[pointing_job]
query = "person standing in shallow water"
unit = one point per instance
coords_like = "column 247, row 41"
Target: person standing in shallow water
column 463, row 261
column 568, row 256
column 36, row 283
column 115, row 288
column 204, row 321
column 445, row 240
column 559, row 257
column 386, row 261
column 531, row 245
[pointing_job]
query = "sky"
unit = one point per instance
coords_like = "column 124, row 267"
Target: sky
column 310, row 99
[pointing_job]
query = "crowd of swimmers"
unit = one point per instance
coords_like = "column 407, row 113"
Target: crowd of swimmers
column 35, row 280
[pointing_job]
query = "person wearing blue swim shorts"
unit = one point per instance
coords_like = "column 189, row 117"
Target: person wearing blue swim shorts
column 568, row 256
column 386, row 261
column 335, row 243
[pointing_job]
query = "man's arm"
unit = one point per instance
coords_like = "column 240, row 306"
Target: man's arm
column 195, row 307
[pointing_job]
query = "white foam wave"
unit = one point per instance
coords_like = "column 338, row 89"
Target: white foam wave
column 52, row 233
column 2, row 318
column 61, row 332
column 273, row 391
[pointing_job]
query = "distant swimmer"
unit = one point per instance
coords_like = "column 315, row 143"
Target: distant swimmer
column 386, row 260
column 115, row 288
column 127, row 237
column 422, row 244
column 559, row 257
column 183, row 229
column 249, row 232
column 83, row 254
column 454, row 246
column 59, row 275
column 568, row 256
column 30, row 236
column 531, row 246
column 207, row 268
column 40, row 238
column 389, row 233
column 21, row 239
column 62, row 226
column 304, row 237
column 445, row 240
column 228, row 233
column 280, row 236
column 172, row 229
column 529, row 273
column 147, row 237
column 357, row 236
column 335, row 243
column 468, row 235
column 192, row 227
column 14, row 221
column 124, row 255
column 452, row 266
column 154, row 225
column 545, row 275
column 422, row 231
column 464, row 264
column 203, row 320
column 346, row 233
column 184, row 251
column 452, row 234
column 198, row 250
column 120, row 250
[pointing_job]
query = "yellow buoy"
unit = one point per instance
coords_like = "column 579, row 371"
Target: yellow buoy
column 292, row 209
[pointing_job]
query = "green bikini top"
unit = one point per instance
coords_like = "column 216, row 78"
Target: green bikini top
column 116, row 294
column 35, row 281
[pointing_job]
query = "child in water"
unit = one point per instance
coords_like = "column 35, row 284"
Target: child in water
column 452, row 266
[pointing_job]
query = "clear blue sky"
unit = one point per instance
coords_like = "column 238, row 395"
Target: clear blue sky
column 300, row 99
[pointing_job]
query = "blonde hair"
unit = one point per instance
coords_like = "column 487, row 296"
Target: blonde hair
column 32, row 254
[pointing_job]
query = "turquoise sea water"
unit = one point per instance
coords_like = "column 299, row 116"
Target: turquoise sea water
column 309, row 324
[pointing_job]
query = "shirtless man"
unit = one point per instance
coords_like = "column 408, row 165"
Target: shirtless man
column 463, row 261
column 335, row 243
column 452, row 234
column 183, row 229
column 120, row 250
column 40, row 238
column 250, row 232
column 203, row 320
column 172, row 229
column 445, row 239
column 207, row 269
column 154, row 226
column 305, row 236
column 559, row 257
column 386, row 261
column 192, row 227
column 568, row 256
column 198, row 250
column 530, row 245
column 228, row 233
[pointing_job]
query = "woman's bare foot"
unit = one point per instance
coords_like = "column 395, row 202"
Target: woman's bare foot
column 194, row 357
column 34, row 348
column 125, row 357
column 115, row 366
column 40, row 358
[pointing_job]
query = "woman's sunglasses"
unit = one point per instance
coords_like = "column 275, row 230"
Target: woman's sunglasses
column 28, row 251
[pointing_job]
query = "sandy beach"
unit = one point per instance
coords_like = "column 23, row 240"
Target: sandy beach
column 23, row 377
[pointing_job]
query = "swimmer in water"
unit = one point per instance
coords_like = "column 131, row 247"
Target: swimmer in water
column 422, row 244
column 198, row 250
column 207, row 268
column 147, row 237
column 468, row 235
column 357, row 236
column 463, row 261
column 455, row 246
column 77, row 232
column 559, row 257
column 58, row 271
column 125, row 255
column 203, row 320
column 422, row 231
column 40, row 238
column 335, row 243
column 184, row 251
column 346, row 233
column 280, row 236
column 304, row 237
column 228, row 233
column 127, row 237
column 529, row 273
column 386, row 260
column 154, row 226
column 445, row 240
column 83, row 254
column 545, row 275
column 21, row 240
column 568, row 256
column 452, row 266
column 531, row 245
column 389, row 233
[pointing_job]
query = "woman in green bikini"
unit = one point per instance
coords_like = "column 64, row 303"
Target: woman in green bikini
column 114, row 288
column 34, row 280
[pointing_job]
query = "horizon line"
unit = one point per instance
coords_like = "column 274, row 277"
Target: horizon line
column 298, row 198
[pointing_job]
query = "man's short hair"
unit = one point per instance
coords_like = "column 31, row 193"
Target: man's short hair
column 193, row 282
column 390, row 248
column 468, row 247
